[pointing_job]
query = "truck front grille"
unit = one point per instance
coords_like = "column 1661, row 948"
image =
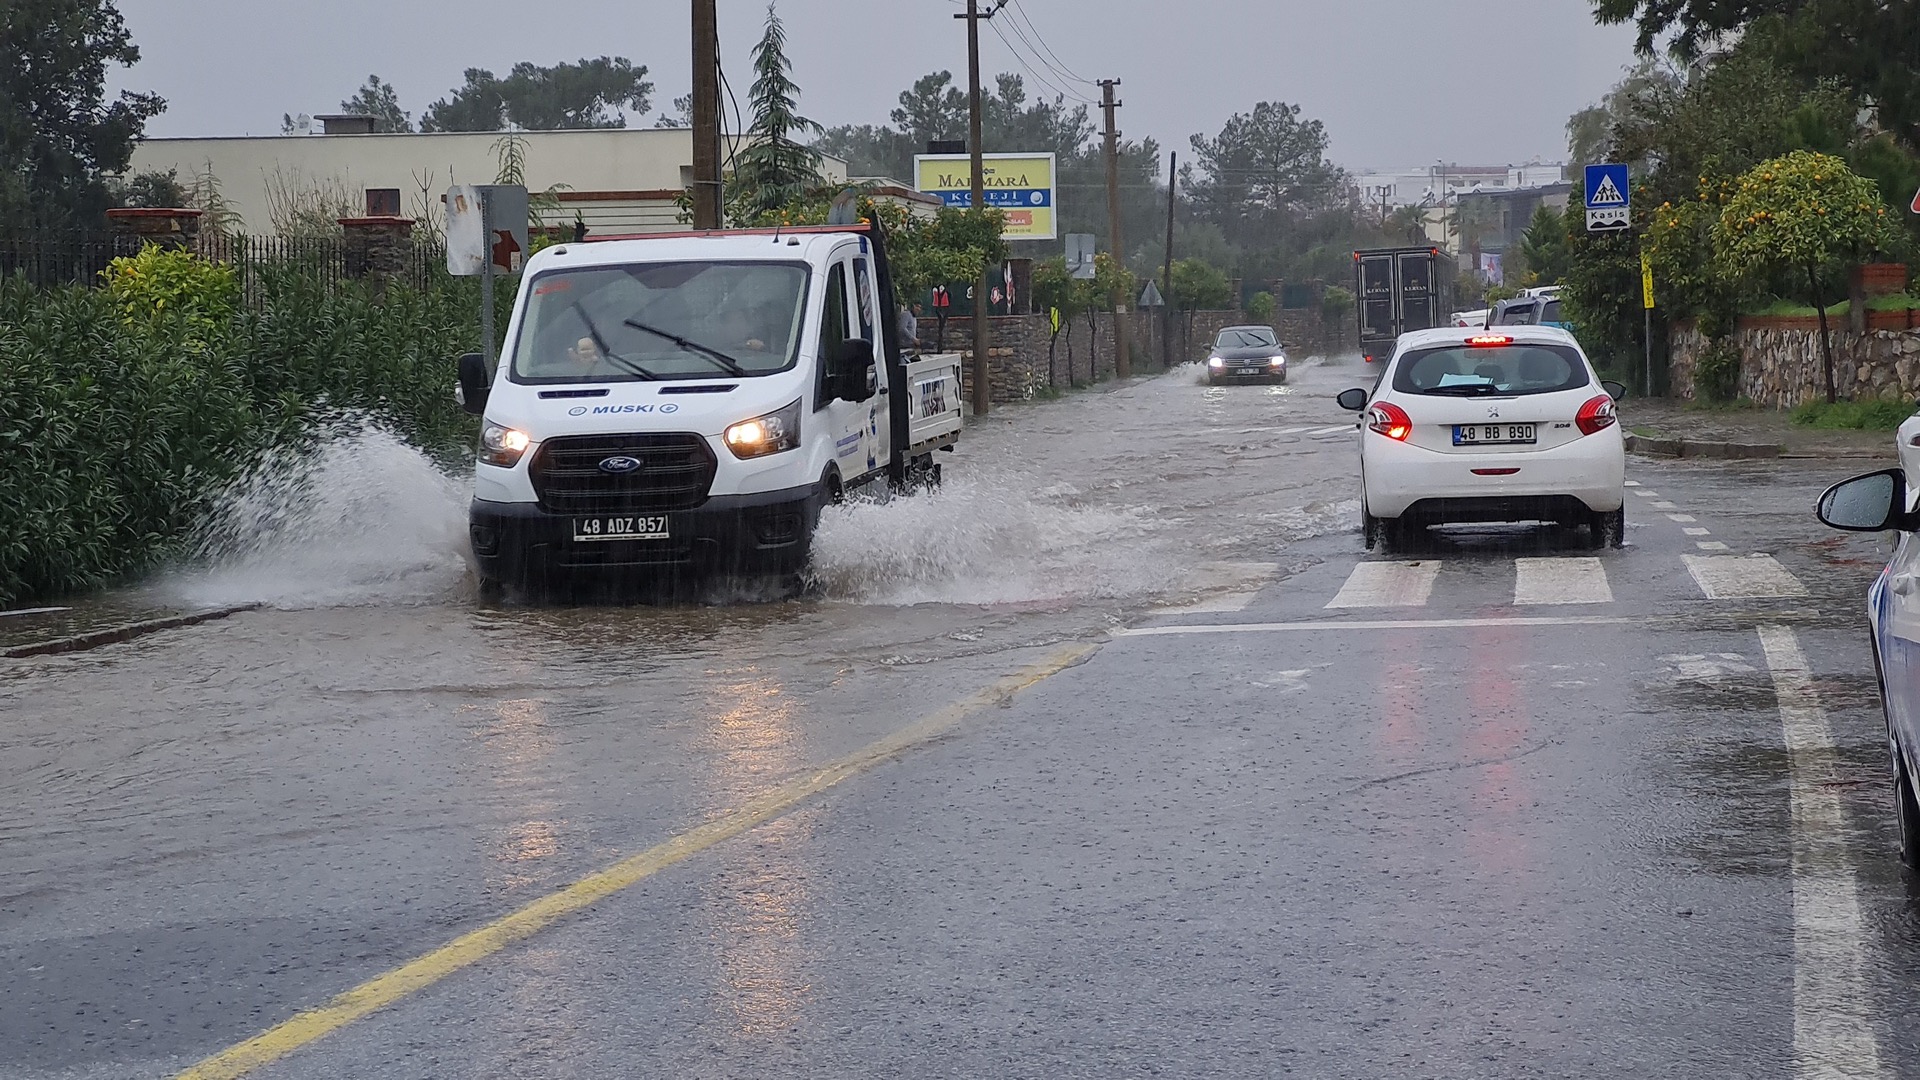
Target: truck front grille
column 675, row 473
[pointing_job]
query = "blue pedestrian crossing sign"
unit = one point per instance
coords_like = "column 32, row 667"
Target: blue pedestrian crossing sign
column 1608, row 194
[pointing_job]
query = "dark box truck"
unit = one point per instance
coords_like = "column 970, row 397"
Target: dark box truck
column 1400, row 290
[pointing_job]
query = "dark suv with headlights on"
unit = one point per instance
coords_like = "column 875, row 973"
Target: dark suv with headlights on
column 1246, row 352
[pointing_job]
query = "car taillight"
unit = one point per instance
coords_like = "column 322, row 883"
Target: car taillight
column 1595, row 415
column 1389, row 420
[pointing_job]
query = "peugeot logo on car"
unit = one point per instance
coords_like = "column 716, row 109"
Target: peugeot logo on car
column 619, row 466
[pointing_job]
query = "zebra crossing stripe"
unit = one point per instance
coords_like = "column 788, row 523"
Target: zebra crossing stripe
column 1560, row 581
column 1742, row 577
column 1388, row 584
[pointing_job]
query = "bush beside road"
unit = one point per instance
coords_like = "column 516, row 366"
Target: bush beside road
column 127, row 409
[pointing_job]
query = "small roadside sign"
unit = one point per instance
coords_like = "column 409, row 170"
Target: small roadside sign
column 1916, row 202
column 1150, row 296
column 1646, row 282
column 1608, row 198
column 1080, row 255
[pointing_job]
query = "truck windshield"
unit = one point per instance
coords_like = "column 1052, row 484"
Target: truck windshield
column 661, row 321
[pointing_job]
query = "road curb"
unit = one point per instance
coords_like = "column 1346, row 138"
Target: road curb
column 1688, row 448
column 115, row 634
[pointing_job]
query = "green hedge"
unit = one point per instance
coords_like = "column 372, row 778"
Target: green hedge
column 119, row 430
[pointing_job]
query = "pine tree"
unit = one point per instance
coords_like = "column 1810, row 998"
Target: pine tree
column 775, row 167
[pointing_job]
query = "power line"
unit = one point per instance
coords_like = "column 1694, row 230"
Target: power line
column 1033, row 69
column 1061, row 67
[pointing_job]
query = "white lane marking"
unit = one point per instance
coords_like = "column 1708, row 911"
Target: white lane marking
column 1374, row 624
column 1334, row 430
column 1388, row 584
column 1283, row 431
column 1697, row 531
column 1710, row 545
column 1833, row 1031
column 1684, row 519
column 33, row 611
column 1633, row 483
column 1737, row 577
column 1665, row 506
column 1647, row 494
column 1560, row 581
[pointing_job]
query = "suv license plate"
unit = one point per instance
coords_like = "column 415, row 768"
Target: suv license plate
column 1495, row 434
column 587, row 529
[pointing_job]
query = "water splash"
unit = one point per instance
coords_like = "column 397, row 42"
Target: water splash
column 350, row 517
column 985, row 541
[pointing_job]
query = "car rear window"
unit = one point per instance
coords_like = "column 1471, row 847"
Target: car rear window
column 1550, row 312
column 1485, row 371
column 1515, row 315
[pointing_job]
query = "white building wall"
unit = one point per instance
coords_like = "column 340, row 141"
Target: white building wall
column 422, row 166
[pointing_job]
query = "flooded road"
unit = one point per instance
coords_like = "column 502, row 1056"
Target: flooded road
column 1115, row 756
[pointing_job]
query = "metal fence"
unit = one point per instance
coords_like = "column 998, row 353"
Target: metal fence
column 52, row 259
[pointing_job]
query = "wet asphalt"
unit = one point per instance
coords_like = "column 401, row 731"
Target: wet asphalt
column 1246, row 835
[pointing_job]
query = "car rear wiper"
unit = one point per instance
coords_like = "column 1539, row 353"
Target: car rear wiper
column 631, row 367
column 1464, row 390
column 706, row 351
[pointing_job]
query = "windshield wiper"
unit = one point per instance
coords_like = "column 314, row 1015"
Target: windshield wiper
column 709, row 352
column 631, row 367
column 1464, row 390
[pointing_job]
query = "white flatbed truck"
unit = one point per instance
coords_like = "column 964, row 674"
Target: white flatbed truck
column 687, row 404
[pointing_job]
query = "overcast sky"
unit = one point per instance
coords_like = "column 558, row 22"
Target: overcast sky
column 1398, row 82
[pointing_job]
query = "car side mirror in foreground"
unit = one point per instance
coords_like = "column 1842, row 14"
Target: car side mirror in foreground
column 1614, row 390
column 1352, row 400
column 1871, row 503
column 474, row 384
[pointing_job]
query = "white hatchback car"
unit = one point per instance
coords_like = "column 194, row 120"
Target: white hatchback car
column 1508, row 425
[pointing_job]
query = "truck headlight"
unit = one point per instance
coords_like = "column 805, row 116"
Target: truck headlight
column 763, row 435
column 502, row 446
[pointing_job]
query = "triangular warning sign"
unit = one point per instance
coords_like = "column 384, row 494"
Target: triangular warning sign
column 1606, row 194
column 1916, row 202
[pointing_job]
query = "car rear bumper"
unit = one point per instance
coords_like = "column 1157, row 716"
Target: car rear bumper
column 767, row 532
column 1440, row 486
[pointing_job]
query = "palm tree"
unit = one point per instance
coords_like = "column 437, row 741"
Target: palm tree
column 1472, row 220
column 1409, row 222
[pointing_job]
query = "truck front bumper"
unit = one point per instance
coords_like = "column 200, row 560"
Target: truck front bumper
column 767, row 532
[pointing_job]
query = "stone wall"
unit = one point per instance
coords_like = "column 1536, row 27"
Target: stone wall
column 1781, row 366
column 1021, row 363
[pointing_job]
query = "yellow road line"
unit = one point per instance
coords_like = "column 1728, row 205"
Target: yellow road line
column 468, row 949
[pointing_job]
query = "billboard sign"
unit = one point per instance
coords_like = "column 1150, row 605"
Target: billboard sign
column 1019, row 185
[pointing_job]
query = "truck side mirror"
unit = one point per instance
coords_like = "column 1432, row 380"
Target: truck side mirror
column 474, row 384
column 854, row 377
column 1870, row 503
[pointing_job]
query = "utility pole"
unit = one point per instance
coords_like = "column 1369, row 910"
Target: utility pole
column 1122, row 359
column 1166, row 310
column 706, row 115
column 982, row 289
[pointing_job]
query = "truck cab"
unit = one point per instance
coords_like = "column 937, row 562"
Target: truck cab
column 688, row 403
